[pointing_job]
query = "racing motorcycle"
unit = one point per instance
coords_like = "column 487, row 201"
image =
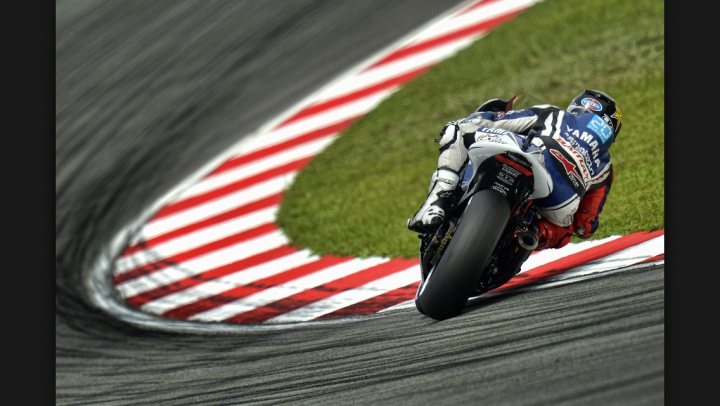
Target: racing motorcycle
column 489, row 231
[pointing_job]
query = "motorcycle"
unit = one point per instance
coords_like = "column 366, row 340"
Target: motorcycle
column 489, row 231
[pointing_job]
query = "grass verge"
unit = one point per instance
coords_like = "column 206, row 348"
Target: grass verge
column 355, row 197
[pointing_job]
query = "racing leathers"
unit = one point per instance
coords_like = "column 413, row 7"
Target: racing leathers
column 574, row 148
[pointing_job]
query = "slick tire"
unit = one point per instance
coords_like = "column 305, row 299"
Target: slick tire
column 445, row 291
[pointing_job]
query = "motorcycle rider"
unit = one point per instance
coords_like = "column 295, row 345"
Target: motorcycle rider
column 574, row 145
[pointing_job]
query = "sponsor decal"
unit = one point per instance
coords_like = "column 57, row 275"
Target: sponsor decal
column 591, row 104
column 601, row 128
column 497, row 131
column 570, row 143
column 500, row 188
column 569, row 167
column 518, row 168
column 572, row 146
column 505, row 178
column 489, row 138
column 492, row 135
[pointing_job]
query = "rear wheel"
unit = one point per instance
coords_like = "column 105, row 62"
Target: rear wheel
column 446, row 289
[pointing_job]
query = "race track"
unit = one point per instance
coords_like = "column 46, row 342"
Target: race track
column 149, row 92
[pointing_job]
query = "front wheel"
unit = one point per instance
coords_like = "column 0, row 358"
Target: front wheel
column 446, row 289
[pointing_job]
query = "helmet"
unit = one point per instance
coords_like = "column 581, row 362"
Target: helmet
column 600, row 104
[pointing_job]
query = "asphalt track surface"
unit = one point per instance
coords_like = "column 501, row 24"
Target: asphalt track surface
column 148, row 92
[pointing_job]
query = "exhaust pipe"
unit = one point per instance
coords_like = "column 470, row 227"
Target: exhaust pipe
column 527, row 241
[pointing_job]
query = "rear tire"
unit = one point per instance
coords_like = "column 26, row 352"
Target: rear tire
column 445, row 291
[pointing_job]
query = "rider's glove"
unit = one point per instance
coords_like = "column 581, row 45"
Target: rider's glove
column 587, row 217
column 586, row 229
column 551, row 235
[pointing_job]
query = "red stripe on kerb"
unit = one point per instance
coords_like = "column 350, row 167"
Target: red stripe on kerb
column 240, row 292
column 514, row 164
column 190, row 254
column 375, row 304
column 465, row 32
column 306, row 297
column 270, row 201
column 210, row 275
column 295, row 141
column 542, row 272
column 317, row 108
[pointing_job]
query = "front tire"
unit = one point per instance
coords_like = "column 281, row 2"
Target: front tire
column 446, row 289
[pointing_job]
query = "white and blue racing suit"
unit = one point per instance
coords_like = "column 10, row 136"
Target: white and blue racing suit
column 574, row 150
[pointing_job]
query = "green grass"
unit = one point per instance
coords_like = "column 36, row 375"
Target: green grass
column 355, row 197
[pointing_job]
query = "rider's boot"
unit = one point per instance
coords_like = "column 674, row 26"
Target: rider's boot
column 432, row 213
